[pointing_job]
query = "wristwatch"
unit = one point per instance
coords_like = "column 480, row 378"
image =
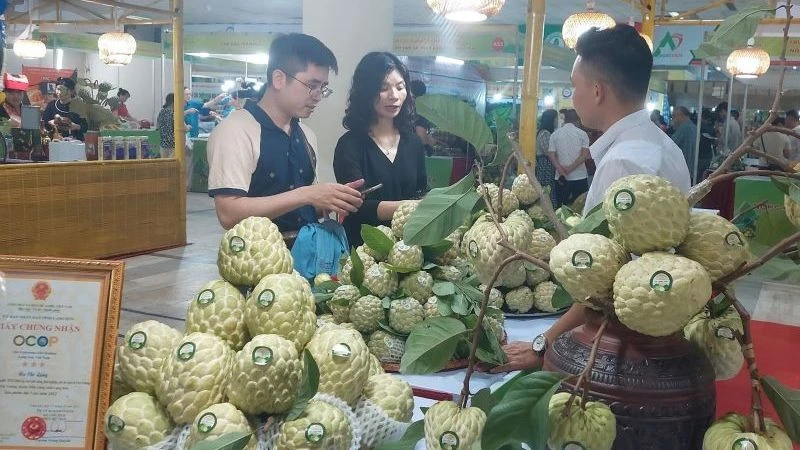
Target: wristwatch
column 539, row 344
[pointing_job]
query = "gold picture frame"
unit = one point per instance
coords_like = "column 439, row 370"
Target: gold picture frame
column 48, row 319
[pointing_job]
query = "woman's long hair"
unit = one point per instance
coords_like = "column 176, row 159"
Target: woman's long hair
column 548, row 121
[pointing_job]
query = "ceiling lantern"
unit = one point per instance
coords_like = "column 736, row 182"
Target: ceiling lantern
column 748, row 62
column 29, row 48
column 581, row 22
column 466, row 10
column 116, row 48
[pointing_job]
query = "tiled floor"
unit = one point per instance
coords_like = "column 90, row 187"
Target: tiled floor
column 159, row 285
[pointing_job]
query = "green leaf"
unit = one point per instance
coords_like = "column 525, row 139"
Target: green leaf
column 413, row 434
column 561, row 298
column 327, row 286
column 431, row 344
column 784, row 184
column 441, row 212
column 444, row 288
column 308, row 386
column 430, row 265
column 449, row 113
column 787, row 404
column 484, row 400
column 595, row 222
column 501, row 392
column 473, row 295
column 438, row 249
column 737, row 28
column 489, row 350
column 385, row 327
column 521, row 415
column 386, row 302
column 320, row 297
column 399, row 269
column 376, row 240
column 794, row 193
column 504, row 149
column 460, row 305
column 228, row 441
column 357, row 272
column 444, row 306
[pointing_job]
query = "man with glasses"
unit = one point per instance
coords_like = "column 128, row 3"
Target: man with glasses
column 261, row 158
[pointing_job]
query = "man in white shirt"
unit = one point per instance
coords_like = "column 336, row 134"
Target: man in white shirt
column 610, row 79
column 793, row 123
column 568, row 151
column 733, row 138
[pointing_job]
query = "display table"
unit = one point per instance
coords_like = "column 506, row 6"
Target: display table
column 153, row 138
column 771, row 224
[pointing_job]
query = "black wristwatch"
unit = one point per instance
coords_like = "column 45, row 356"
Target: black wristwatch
column 539, row 344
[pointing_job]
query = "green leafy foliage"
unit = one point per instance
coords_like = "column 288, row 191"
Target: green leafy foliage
column 228, row 441
column 309, row 385
column 787, row 404
column 484, row 400
column 436, row 250
column 413, row 434
column 594, row 222
column 504, row 149
column 357, row 272
column 561, row 299
column 376, row 240
column 785, row 184
column 450, row 114
column 399, row 269
column 444, row 288
column 734, row 31
column 431, row 345
column 441, row 212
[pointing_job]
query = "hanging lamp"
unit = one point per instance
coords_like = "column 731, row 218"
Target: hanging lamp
column 27, row 48
column 748, row 62
column 581, row 22
column 466, row 10
column 644, row 36
column 116, row 48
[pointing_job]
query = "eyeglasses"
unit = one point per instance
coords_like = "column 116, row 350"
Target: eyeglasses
column 323, row 90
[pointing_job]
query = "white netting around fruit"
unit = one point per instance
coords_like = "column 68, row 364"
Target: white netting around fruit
column 182, row 438
column 170, row 442
column 376, row 427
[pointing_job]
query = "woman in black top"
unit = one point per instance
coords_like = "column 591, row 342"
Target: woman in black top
column 380, row 146
column 57, row 114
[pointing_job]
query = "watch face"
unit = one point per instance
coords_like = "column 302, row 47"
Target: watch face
column 539, row 343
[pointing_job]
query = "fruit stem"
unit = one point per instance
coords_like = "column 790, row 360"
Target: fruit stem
column 496, row 216
column 584, row 380
column 476, row 332
column 744, row 269
column 503, row 175
column 780, row 162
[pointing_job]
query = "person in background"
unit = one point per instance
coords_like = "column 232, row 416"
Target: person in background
column 121, row 110
column 793, row 123
column 568, row 151
column 658, row 120
column 14, row 86
column 610, row 77
column 58, row 115
column 196, row 108
column 685, row 134
column 708, row 140
column 734, row 135
column 380, row 145
column 261, row 159
column 545, row 172
column 775, row 144
column 422, row 126
column 166, row 126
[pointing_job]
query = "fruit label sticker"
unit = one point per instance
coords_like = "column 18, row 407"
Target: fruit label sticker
column 341, row 350
column 734, row 239
column 624, row 200
column 262, row 356
column 186, row 351
column 744, row 444
column 573, row 446
column 206, row 422
column 115, row 424
column 236, row 244
column 205, row 297
column 449, row 440
column 315, row 433
column 473, row 249
column 661, row 281
column 265, row 298
column 726, row 333
column 582, row 259
column 137, row 340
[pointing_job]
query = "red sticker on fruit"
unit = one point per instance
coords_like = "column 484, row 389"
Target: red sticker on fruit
column 33, row 428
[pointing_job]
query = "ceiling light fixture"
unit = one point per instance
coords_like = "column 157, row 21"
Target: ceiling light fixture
column 469, row 11
column 581, row 22
column 117, row 47
column 748, row 62
column 24, row 46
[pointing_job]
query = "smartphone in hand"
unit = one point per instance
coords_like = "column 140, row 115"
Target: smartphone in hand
column 366, row 191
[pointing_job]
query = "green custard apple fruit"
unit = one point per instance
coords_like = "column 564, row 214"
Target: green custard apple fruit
column 282, row 304
column 730, row 433
column 343, row 297
column 119, row 387
column 347, row 266
column 418, row 285
column 586, row 264
column 406, row 256
column 524, row 190
column 792, row 209
column 136, row 421
column 367, row 313
column 380, row 281
column 146, row 346
column 495, row 296
column 716, row 338
column 321, row 278
column 321, row 426
column 343, row 360
column 401, row 215
column 219, row 309
column 593, row 428
column 482, row 249
column 520, row 300
column 541, row 244
column 447, row 427
column 194, row 375
column 536, row 213
column 387, row 347
column 658, row 293
column 375, row 366
column 543, row 296
column 646, row 213
column 451, row 253
column 447, row 273
column 392, row 394
column 514, row 275
column 510, row 202
column 251, row 250
column 405, row 314
column 431, row 308
column 535, row 275
column 265, row 375
column 217, row 420
column 715, row 243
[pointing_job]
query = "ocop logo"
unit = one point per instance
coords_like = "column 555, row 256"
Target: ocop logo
column 35, row 341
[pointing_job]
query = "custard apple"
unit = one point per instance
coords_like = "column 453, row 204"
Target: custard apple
column 343, row 360
column 447, row 273
column 194, row 375
column 510, row 201
column 367, row 313
column 282, row 304
column 405, row 314
column 216, row 420
column 451, row 253
column 715, row 243
column 392, row 394
column 431, row 308
column 520, row 300
column 792, row 209
column 119, row 387
column 321, row 278
column 325, row 319
column 480, row 245
column 543, row 296
column 524, row 190
column 594, row 428
column 343, row 297
column 658, row 293
column 585, row 264
column 375, row 366
column 514, row 275
column 379, row 280
column 646, row 213
column 536, row 275
column 715, row 337
column 219, row 309
column 322, row 426
column 146, row 346
column 387, row 347
column 418, row 285
column 729, row 433
column 536, row 213
column 494, row 324
column 347, row 266
column 495, row 296
column 405, row 256
column 401, row 215
column 265, row 375
column 136, row 421
column 251, row 250
column 448, row 427
column 541, row 244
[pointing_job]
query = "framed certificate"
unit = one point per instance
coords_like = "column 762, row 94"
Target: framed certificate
column 58, row 331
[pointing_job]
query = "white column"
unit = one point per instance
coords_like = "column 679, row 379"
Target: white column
column 351, row 29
